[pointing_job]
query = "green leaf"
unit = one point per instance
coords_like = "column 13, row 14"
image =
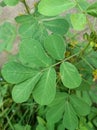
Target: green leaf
column 22, row 91
column 40, row 127
column 33, row 30
column 54, row 7
column 24, row 18
column 2, row 4
column 92, row 59
column 70, row 75
column 78, row 21
column 7, row 36
column 21, row 127
column 50, row 126
column 55, row 46
column 92, row 9
column 83, row 4
column 60, row 127
column 86, row 97
column 14, row 72
column 78, row 104
column 11, row 2
column 45, row 91
column 32, row 54
column 58, row 26
column 56, row 108
column 70, row 120
column 40, row 120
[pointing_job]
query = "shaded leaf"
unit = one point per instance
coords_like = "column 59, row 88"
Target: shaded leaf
column 70, row 120
column 78, row 104
column 24, row 18
column 58, row 26
column 70, row 75
column 34, row 30
column 92, row 9
column 45, row 91
column 55, row 46
column 40, row 127
column 56, row 108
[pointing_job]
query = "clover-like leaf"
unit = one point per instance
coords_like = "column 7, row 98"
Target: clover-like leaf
column 22, row 91
column 56, row 108
column 33, row 54
column 7, row 36
column 70, row 120
column 14, row 72
column 55, row 46
column 11, row 2
column 78, row 21
column 58, row 26
column 92, row 9
column 70, row 75
column 78, row 104
column 45, row 91
column 55, row 7
column 32, row 29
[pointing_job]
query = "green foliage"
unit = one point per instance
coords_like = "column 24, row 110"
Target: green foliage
column 11, row 2
column 50, row 84
column 52, row 8
column 55, row 46
column 58, row 26
column 7, row 36
column 69, row 75
column 78, row 21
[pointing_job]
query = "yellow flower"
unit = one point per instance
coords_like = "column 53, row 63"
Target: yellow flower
column 94, row 75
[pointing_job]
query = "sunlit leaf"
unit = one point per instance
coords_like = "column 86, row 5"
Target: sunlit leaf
column 11, row 2
column 55, row 7
column 78, row 21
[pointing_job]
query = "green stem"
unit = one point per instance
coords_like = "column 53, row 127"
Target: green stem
column 62, row 61
column 83, row 50
column 26, row 6
column 9, row 122
column 87, row 63
column 89, row 23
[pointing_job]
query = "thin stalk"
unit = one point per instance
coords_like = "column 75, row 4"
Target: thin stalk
column 89, row 23
column 83, row 50
column 9, row 122
column 87, row 63
column 62, row 61
column 26, row 6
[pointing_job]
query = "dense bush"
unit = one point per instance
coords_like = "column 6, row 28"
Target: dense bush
column 50, row 84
